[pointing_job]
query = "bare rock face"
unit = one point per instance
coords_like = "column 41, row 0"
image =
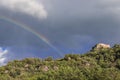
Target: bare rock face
column 55, row 68
column 45, row 68
column 26, row 66
column 101, row 46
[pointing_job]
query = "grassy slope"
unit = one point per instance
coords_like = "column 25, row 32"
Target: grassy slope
column 102, row 64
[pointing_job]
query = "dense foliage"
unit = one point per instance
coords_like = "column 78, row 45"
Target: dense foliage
column 97, row 64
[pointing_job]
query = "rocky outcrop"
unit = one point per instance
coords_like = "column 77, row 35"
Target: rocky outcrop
column 45, row 68
column 101, row 46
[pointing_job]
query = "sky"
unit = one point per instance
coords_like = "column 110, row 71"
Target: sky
column 68, row 26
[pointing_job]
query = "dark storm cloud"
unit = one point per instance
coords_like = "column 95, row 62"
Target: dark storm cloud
column 70, row 23
column 96, row 19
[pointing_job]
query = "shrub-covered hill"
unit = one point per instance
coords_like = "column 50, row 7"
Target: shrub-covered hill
column 100, row 63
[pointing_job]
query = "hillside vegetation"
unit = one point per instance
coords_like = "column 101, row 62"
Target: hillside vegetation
column 100, row 63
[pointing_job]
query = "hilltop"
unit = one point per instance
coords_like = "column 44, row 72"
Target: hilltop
column 102, row 62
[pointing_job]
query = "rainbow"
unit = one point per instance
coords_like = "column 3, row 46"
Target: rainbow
column 27, row 28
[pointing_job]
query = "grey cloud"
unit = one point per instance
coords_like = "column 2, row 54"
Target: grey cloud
column 29, row 7
column 73, row 23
